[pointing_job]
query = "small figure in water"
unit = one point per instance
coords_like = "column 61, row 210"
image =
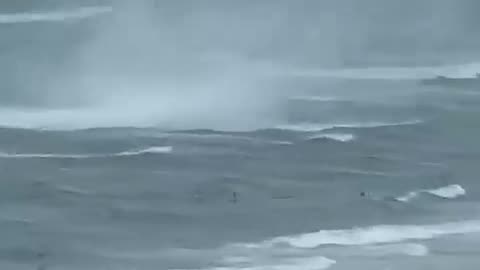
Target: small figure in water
column 363, row 194
column 41, row 256
column 234, row 197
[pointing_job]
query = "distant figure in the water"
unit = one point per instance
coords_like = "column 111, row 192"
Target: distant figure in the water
column 369, row 196
column 234, row 197
column 41, row 256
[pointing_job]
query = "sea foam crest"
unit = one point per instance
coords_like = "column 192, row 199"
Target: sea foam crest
column 340, row 137
column 305, row 263
column 53, row 16
column 381, row 234
column 409, row 249
column 149, row 150
column 446, row 192
column 315, row 127
column 468, row 70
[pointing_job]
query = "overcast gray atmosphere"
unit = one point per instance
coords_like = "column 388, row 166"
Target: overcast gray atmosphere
column 239, row 135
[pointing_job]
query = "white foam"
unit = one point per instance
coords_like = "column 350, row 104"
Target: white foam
column 381, row 234
column 313, row 127
column 459, row 71
column 447, row 192
column 316, row 98
column 341, row 137
column 407, row 197
column 306, row 263
column 53, row 16
column 281, row 142
column 409, row 249
column 40, row 155
column 149, row 150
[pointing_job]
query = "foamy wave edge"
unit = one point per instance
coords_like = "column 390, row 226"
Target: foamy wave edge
column 54, row 16
column 458, row 70
column 340, row 137
column 149, row 150
column 381, row 234
column 307, row 263
column 446, row 192
column 314, row 127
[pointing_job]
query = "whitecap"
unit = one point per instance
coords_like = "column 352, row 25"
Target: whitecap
column 305, row 263
column 281, row 142
column 53, row 16
column 409, row 249
column 315, row 127
column 446, row 192
column 149, row 150
column 46, row 155
column 341, row 137
column 316, row 98
column 380, row 234
column 468, row 70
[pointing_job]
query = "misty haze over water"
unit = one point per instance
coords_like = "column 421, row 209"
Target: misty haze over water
column 224, row 135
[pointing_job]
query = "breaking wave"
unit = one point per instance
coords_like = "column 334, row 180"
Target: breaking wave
column 459, row 71
column 447, row 192
column 316, row 98
column 113, row 117
column 149, row 150
column 313, row 127
column 312, row 263
column 409, row 249
column 381, row 234
column 53, row 16
column 341, row 137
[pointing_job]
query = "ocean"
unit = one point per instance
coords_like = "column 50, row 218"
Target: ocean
column 129, row 142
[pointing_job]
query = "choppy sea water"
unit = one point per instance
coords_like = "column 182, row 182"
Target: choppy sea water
column 362, row 171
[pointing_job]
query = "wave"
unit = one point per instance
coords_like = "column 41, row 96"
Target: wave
column 149, row 150
column 381, row 234
column 460, row 71
column 313, row 127
column 409, row 249
column 74, row 190
column 316, row 98
column 53, row 16
column 341, row 137
column 39, row 155
column 83, row 119
column 307, row 263
column 447, row 192
column 377, row 241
